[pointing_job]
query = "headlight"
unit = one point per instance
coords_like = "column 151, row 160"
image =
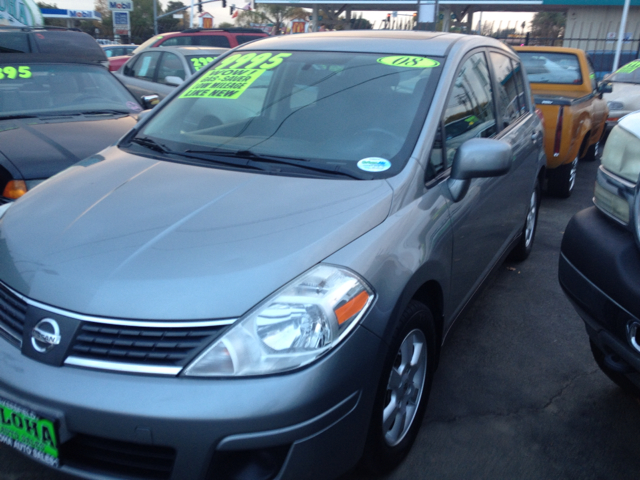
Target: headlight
column 292, row 328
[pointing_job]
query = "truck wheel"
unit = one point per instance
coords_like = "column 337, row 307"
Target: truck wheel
column 563, row 179
column 593, row 152
column 403, row 390
column 522, row 250
column 618, row 378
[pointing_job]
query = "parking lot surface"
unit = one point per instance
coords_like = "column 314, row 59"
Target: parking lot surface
column 517, row 393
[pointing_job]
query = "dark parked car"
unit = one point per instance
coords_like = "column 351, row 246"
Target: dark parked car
column 58, row 105
column 256, row 281
column 600, row 259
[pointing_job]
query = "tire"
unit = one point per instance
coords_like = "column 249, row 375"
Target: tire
column 523, row 248
column 593, row 152
column 403, row 390
column 562, row 180
column 618, row 378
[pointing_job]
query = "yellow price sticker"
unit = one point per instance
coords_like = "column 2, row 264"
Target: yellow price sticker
column 11, row 73
column 629, row 67
column 200, row 62
column 409, row 61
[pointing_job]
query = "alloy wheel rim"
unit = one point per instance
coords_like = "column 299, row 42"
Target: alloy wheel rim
column 405, row 387
column 531, row 219
column 573, row 173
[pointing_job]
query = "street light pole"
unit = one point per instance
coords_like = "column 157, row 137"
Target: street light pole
column 623, row 27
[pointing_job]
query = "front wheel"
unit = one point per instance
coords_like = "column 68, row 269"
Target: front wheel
column 403, row 390
column 563, row 179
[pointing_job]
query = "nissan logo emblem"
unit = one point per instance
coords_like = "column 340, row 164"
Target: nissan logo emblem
column 45, row 335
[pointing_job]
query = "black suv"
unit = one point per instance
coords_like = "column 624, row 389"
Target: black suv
column 58, row 105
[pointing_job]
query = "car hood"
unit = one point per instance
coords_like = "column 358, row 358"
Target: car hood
column 132, row 237
column 40, row 148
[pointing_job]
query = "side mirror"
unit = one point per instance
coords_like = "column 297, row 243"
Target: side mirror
column 475, row 158
column 149, row 101
column 605, row 88
column 172, row 80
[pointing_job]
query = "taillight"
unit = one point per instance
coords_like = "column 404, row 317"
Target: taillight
column 556, row 143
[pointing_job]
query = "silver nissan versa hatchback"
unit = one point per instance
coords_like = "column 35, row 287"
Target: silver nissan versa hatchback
column 256, row 281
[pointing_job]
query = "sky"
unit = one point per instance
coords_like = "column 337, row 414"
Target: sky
column 222, row 14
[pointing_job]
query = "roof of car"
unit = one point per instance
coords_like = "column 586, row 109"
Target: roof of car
column 189, row 50
column 119, row 45
column 53, row 46
column 373, row 41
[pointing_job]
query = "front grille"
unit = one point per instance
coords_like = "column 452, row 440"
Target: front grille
column 145, row 346
column 12, row 315
column 121, row 459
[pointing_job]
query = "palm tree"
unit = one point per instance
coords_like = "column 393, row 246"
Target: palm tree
column 270, row 13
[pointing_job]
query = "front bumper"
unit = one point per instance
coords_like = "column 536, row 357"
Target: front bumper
column 599, row 271
column 308, row 424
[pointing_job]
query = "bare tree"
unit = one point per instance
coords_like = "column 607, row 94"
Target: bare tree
column 270, row 13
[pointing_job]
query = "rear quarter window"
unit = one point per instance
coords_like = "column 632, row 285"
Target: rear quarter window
column 247, row 38
column 14, row 42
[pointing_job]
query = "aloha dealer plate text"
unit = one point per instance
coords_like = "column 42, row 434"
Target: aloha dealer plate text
column 28, row 432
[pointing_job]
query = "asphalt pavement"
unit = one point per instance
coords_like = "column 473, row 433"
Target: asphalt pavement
column 517, row 394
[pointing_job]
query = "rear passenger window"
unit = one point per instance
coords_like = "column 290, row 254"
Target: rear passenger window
column 11, row 42
column 246, row 38
column 212, row 41
column 172, row 42
column 469, row 113
column 509, row 101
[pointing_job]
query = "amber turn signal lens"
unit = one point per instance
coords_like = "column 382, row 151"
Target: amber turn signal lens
column 14, row 189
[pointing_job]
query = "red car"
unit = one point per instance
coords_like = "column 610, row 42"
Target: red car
column 204, row 37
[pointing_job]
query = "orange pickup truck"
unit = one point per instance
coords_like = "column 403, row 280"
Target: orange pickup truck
column 566, row 91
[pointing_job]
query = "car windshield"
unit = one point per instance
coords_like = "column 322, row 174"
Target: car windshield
column 630, row 73
column 543, row 67
column 45, row 89
column 197, row 62
column 344, row 111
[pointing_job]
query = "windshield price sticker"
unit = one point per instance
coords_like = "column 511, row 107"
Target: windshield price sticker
column 629, row 68
column 223, row 84
column 233, row 75
column 408, row 61
column 25, row 431
column 10, row 73
column 198, row 63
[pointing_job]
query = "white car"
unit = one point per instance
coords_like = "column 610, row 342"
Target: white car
column 625, row 97
column 159, row 70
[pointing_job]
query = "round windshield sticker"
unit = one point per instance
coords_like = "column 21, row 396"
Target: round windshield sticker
column 133, row 106
column 408, row 61
column 374, row 164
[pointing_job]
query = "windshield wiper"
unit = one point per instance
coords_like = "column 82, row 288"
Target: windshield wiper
column 106, row 112
column 302, row 163
column 150, row 144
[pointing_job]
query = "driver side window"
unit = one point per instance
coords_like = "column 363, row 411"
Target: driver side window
column 469, row 113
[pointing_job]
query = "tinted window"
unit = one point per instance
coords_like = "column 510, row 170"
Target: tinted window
column 145, row 67
column 518, row 73
column 11, row 42
column 170, row 66
column 247, row 38
column 469, row 112
column 172, row 42
column 507, row 94
column 55, row 88
column 542, row 67
column 212, row 41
